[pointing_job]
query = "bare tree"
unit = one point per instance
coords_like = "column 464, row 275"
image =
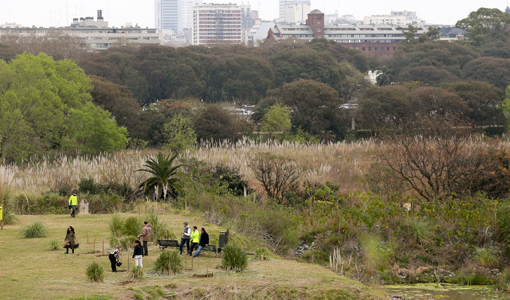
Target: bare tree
column 446, row 161
column 277, row 174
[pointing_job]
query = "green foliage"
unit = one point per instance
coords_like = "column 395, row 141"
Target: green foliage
column 35, row 230
column 276, row 119
column 138, row 296
column 46, row 106
column 486, row 25
column 137, row 272
column 234, row 258
column 420, row 231
column 126, row 242
column 159, row 229
column 180, row 135
column 377, row 255
column 95, row 272
column 163, row 181
column 168, row 258
column 116, row 225
column 54, row 245
column 132, row 226
column 262, row 253
column 487, row 257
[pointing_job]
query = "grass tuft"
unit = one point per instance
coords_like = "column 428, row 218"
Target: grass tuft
column 35, row 230
column 234, row 258
column 168, row 257
column 95, row 272
column 54, row 245
column 486, row 257
column 137, row 272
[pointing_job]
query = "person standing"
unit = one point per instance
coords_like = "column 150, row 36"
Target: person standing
column 185, row 238
column 146, row 236
column 138, row 254
column 114, row 258
column 204, row 242
column 70, row 239
column 195, row 238
column 73, row 204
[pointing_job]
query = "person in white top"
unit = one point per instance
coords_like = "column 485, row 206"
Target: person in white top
column 186, row 232
column 114, row 258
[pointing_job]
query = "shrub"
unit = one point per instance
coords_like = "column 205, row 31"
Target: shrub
column 166, row 234
column 168, row 257
column 487, row 257
column 138, row 296
column 137, row 272
column 115, row 225
column 132, row 226
column 115, row 242
column 234, row 258
column 158, row 227
column 54, row 245
column 95, row 272
column 421, row 231
column 262, row 253
column 36, row 230
column 127, row 242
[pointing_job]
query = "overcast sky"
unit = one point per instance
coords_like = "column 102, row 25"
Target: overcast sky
column 118, row 12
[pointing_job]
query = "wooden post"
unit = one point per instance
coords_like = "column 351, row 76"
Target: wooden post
column 94, row 245
column 88, row 237
column 103, row 248
column 169, row 266
column 207, row 268
column 129, row 273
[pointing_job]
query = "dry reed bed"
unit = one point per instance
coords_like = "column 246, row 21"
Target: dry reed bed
column 343, row 164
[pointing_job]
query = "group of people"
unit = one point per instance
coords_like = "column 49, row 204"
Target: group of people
column 196, row 238
column 200, row 239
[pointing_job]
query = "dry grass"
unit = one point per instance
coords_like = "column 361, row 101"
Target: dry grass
column 340, row 163
column 30, row 271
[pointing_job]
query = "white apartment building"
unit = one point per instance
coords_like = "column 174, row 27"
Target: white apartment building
column 285, row 3
column 217, row 23
column 175, row 15
column 386, row 19
column 297, row 12
column 95, row 34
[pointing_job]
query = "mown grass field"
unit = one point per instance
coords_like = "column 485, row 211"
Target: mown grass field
column 30, row 270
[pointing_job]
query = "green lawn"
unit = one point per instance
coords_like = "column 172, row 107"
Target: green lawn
column 29, row 270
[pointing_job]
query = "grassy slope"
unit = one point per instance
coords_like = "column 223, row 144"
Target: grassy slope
column 29, row 270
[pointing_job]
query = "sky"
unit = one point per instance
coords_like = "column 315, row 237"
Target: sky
column 118, row 12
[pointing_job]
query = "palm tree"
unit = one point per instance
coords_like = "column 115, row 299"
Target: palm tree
column 384, row 76
column 163, row 180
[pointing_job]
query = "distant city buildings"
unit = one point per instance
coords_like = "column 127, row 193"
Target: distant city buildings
column 371, row 39
column 94, row 34
column 286, row 7
column 217, row 23
column 175, row 15
column 397, row 18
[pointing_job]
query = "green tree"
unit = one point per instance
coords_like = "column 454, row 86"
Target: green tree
column 216, row 124
column 486, row 25
column 385, row 76
column 315, row 106
column 163, row 180
column 179, row 134
column 490, row 69
column 277, row 118
column 42, row 101
column 428, row 75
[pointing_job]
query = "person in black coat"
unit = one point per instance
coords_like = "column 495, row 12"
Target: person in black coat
column 138, row 254
column 204, row 241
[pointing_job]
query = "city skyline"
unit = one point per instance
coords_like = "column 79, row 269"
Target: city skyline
column 118, row 12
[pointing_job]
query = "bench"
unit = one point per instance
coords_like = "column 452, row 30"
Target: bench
column 168, row 243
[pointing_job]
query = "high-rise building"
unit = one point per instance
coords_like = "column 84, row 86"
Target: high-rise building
column 285, row 3
column 175, row 15
column 297, row 12
column 217, row 23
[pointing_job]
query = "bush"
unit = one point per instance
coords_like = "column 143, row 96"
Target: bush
column 127, row 242
column 132, row 226
column 421, row 231
column 137, row 272
column 486, row 257
column 36, row 230
column 54, row 245
column 262, row 253
column 158, row 227
column 116, row 225
column 234, row 258
column 95, row 272
column 168, row 257
column 138, row 296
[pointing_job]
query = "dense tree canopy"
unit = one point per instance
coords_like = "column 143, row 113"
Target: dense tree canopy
column 46, row 105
